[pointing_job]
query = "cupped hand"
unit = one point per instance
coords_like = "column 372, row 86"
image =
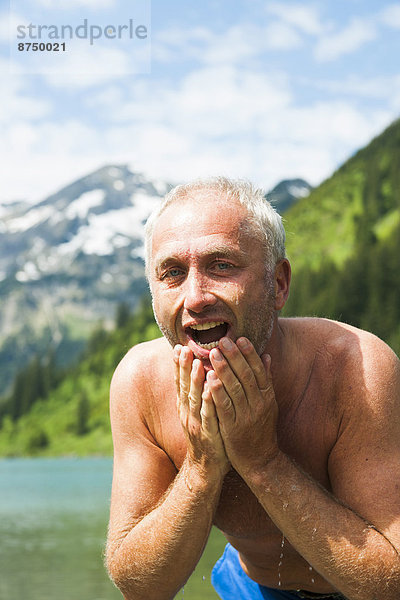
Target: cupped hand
column 242, row 390
column 198, row 416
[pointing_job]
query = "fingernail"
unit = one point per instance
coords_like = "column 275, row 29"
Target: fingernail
column 226, row 343
column 216, row 354
column 243, row 343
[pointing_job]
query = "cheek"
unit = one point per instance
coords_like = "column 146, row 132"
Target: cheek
column 164, row 305
column 236, row 294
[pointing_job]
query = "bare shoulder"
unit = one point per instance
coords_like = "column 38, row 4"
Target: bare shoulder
column 137, row 377
column 367, row 368
column 355, row 352
column 356, row 369
column 141, row 361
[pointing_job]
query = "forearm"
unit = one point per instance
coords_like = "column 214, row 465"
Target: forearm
column 156, row 557
column 348, row 552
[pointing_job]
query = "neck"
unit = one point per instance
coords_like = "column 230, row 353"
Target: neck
column 283, row 363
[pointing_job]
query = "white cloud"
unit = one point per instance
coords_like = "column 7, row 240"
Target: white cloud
column 390, row 16
column 385, row 88
column 226, row 111
column 238, row 44
column 17, row 106
column 8, row 25
column 88, row 66
column 175, row 43
column 218, row 120
column 357, row 33
column 281, row 36
column 305, row 18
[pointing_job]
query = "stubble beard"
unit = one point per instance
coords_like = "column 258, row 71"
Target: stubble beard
column 258, row 323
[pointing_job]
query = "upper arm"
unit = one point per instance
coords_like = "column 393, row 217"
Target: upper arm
column 364, row 465
column 142, row 470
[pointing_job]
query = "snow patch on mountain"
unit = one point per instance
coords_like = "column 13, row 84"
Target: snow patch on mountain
column 30, row 219
column 299, row 191
column 82, row 205
column 112, row 229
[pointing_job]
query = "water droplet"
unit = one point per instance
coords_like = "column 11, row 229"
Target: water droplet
column 280, row 562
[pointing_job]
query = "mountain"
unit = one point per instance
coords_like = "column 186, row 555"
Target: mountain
column 360, row 199
column 344, row 245
column 67, row 261
column 287, row 193
column 344, row 242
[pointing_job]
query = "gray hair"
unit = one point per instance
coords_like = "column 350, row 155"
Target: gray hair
column 263, row 217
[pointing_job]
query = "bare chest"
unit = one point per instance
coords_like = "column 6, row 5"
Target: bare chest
column 306, row 433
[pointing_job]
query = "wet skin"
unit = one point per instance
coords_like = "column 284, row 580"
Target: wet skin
column 303, row 392
column 239, row 514
column 207, row 270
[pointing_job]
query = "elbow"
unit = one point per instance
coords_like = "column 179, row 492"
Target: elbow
column 128, row 579
column 113, row 569
column 118, row 574
column 125, row 584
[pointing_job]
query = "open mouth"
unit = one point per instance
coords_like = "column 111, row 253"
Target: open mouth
column 207, row 335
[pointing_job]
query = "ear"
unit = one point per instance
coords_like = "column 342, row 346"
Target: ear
column 282, row 283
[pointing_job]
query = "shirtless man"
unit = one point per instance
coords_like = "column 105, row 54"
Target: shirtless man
column 281, row 432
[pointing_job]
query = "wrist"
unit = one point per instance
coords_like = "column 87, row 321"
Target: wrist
column 264, row 471
column 199, row 478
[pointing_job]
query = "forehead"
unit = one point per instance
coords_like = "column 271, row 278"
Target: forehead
column 203, row 221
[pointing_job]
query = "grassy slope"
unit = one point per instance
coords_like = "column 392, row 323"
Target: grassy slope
column 74, row 418
column 325, row 224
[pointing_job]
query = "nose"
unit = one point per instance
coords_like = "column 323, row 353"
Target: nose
column 198, row 293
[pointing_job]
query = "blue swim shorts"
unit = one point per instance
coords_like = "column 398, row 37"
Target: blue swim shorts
column 232, row 583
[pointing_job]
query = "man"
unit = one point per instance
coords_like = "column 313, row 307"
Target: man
column 284, row 433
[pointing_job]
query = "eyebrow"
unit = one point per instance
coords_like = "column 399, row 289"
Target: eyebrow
column 212, row 251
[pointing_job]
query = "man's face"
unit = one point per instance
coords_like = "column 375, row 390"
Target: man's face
column 208, row 276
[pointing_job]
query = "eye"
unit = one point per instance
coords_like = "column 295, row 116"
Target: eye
column 223, row 266
column 172, row 273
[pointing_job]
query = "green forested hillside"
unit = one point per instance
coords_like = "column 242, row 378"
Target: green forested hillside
column 70, row 415
column 344, row 243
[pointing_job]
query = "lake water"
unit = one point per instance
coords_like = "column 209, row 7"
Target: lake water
column 53, row 524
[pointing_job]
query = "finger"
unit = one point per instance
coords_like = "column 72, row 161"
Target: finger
column 234, row 372
column 176, row 354
column 267, row 361
column 208, row 413
column 254, row 360
column 223, row 403
column 196, row 387
column 185, row 367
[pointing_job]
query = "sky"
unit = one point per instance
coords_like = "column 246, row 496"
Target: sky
column 257, row 89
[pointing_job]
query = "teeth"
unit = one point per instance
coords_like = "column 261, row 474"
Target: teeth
column 202, row 326
column 209, row 346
